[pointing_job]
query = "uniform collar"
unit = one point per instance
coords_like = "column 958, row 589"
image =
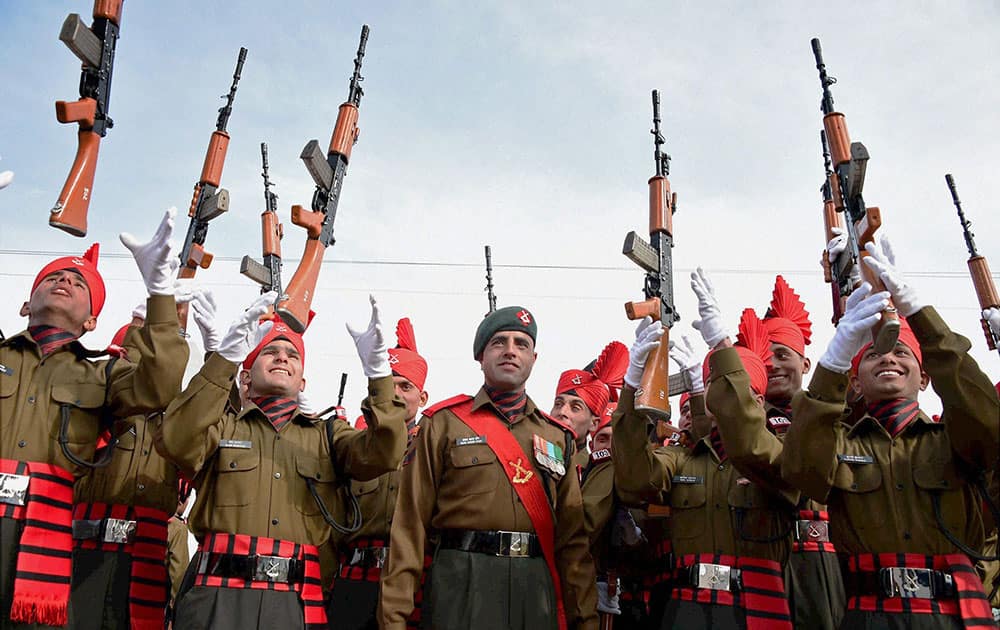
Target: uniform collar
column 24, row 339
column 705, row 444
column 483, row 399
column 869, row 423
column 298, row 417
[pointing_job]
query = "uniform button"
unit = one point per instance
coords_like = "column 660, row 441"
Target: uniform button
column 899, row 486
column 854, row 486
column 392, row 487
column 142, row 486
column 232, row 464
column 475, row 460
column 722, row 466
column 685, row 501
column 717, row 506
column 145, row 451
column 906, row 535
column 22, row 443
column 274, row 521
column 277, row 437
column 277, row 475
column 31, row 399
column 319, row 476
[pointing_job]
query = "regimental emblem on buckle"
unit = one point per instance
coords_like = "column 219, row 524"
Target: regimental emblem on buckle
column 271, row 569
column 716, row 577
column 514, row 545
column 13, row 488
column 119, row 531
column 521, row 474
column 814, row 531
column 908, row 583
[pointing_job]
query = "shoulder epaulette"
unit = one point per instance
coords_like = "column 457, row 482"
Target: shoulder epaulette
column 559, row 423
column 600, row 456
column 444, row 404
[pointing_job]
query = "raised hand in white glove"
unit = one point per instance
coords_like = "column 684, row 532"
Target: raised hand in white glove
column 139, row 312
column 883, row 262
column 204, row 312
column 305, row 405
column 154, row 257
column 607, row 603
column 837, row 246
column 371, row 345
column 992, row 317
column 709, row 324
column 246, row 331
column 863, row 310
column 647, row 336
column 684, row 356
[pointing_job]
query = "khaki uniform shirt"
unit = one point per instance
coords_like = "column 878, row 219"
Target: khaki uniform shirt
column 178, row 554
column 713, row 508
column 464, row 487
column 377, row 500
column 879, row 489
column 33, row 389
column 252, row 479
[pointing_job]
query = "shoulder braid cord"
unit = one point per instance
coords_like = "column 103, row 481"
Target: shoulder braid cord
column 357, row 521
column 106, row 422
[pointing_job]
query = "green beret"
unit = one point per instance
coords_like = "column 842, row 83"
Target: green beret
column 507, row 318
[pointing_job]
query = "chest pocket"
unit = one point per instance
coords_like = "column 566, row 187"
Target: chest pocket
column 858, row 485
column 477, row 468
column 238, row 476
column 320, row 474
column 361, row 488
column 9, row 382
column 84, row 402
column 687, row 507
column 943, row 483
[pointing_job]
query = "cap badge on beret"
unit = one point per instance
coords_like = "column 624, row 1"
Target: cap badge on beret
column 525, row 317
column 79, row 262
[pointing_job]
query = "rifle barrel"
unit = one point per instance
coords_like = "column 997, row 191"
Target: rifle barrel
column 970, row 242
column 356, row 92
column 825, row 80
column 227, row 109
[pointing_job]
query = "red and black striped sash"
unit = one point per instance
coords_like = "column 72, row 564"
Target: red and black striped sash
column 894, row 414
column 277, row 409
column 821, row 546
column 45, row 549
column 50, row 338
column 717, row 446
column 762, row 595
column 361, row 573
column 310, row 590
column 664, row 571
column 970, row 604
column 148, row 585
column 413, row 621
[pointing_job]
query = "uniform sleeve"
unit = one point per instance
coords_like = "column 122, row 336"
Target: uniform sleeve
column 149, row 381
column 970, row 409
column 189, row 432
column 573, row 559
column 812, row 442
column 418, row 482
column 364, row 455
column 598, row 500
column 642, row 472
column 177, row 554
column 754, row 450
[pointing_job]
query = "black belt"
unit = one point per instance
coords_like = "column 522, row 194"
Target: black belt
column 902, row 582
column 495, row 543
column 260, row 568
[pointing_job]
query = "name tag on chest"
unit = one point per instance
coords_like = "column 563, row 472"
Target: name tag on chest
column 687, row 479
column 243, row 444
column 855, row 459
column 466, row 441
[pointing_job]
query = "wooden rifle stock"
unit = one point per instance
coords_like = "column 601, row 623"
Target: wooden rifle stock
column 294, row 305
column 986, row 291
column 70, row 211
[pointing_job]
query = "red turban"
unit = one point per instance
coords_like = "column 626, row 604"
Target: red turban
column 906, row 337
column 86, row 266
column 787, row 320
column 753, row 344
column 279, row 330
column 599, row 385
column 605, row 420
column 686, row 396
column 403, row 359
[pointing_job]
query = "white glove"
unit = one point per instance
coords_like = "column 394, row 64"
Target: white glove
column 246, row 331
column 647, row 336
column 6, row 177
column 305, row 405
column 203, row 309
column 139, row 312
column 862, row 312
column 883, row 262
column 608, row 603
column 371, row 345
column 154, row 257
column 837, row 246
column 684, row 356
column 710, row 323
column 992, row 317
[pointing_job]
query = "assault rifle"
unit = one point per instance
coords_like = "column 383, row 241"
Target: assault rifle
column 850, row 161
column 95, row 47
column 208, row 201
column 655, row 258
column 982, row 280
column 831, row 219
column 491, row 298
column 328, row 173
column 268, row 273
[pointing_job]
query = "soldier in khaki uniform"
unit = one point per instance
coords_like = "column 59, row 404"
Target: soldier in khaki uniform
column 54, row 403
column 583, row 395
column 900, row 487
column 490, row 491
column 270, row 478
column 354, row 600
column 729, row 533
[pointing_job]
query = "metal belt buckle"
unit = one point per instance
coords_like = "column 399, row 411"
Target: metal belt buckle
column 907, row 583
column 13, row 488
column 514, row 545
column 717, row 577
column 812, row 531
column 271, row 569
column 119, row 531
column 369, row 557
